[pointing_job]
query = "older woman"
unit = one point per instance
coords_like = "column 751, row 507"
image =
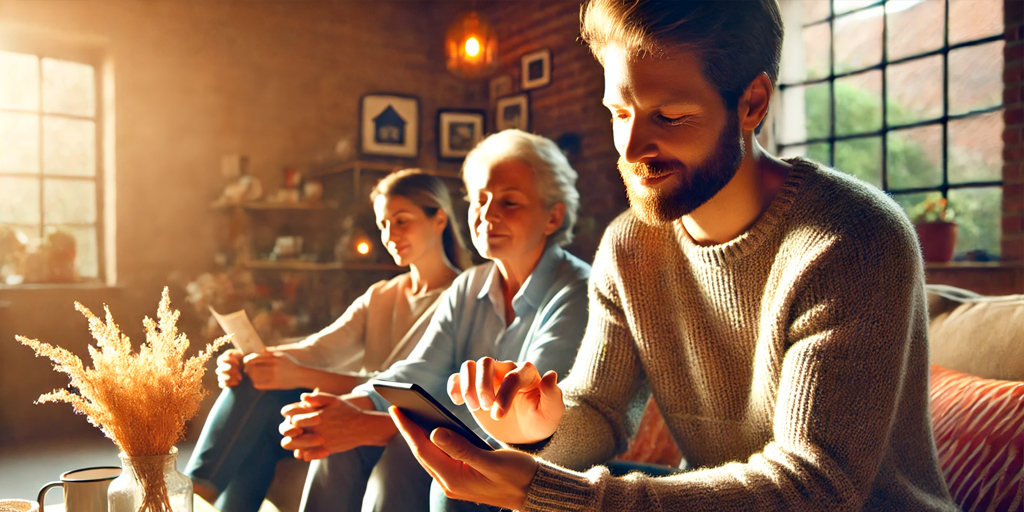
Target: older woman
column 527, row 305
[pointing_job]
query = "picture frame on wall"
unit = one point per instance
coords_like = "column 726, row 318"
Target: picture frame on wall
column 389, row 125
column 458, row 131
column 536, row 69
column 512, row 112
column 500, row 86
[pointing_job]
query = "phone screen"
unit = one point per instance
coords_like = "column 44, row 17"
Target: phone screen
column 424, row 410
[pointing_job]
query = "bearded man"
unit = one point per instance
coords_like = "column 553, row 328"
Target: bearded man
column 775, row 309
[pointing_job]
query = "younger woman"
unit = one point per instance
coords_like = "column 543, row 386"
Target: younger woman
column 234, row 460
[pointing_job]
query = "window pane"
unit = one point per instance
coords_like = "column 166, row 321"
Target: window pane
column 817, row 152
column 69, row 201
column 909, row 201
column 69, row 146
column 914, row 90
column 814, row 10
column 841, row 6
column 816, row 45
column 805, row 113
column 915, row 27
column 974, row 19
column 915, row 157
column 86, row 255
column 19, row 200
column 978, row 218
column 861, row 158
column 859, row 103
column 976, row 148
column 858, row 40
column 19, row 143
column 976, row 77
column 68, row 88
column 19, row 81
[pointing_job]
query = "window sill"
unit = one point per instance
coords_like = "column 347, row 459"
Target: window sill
column 973, row 265
column 89, row 285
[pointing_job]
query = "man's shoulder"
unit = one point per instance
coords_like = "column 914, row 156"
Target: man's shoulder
column 837, row 206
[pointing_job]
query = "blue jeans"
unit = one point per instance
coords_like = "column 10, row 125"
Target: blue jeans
column 240, row 446
column 441, row 503
column 367, row 479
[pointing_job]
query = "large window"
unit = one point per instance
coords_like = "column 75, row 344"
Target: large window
column 51, row 179
column 905, row 95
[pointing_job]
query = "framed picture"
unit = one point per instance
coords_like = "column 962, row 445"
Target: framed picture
column 389, row 125
column 458, row 131
column 536, row 69
column 512, row 112
column 500, row 86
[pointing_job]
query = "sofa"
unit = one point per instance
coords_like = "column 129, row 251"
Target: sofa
column 977, row 390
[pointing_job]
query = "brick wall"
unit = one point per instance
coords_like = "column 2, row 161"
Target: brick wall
column 1013, row 136
column 278, row 81
column 570, row 104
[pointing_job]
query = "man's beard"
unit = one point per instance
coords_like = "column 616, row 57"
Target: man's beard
column 697, row 185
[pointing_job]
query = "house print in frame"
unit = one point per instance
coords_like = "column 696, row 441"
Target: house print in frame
column 389, row 125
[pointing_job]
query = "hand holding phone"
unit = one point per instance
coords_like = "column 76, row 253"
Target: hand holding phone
column 425, row 411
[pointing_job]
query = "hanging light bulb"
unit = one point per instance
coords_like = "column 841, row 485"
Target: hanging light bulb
column 471, row 45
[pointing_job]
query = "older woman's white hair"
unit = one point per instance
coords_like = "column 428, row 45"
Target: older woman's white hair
column 554, row 177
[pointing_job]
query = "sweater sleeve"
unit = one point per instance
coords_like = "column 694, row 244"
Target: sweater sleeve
column 854, row 310
column 340, row 346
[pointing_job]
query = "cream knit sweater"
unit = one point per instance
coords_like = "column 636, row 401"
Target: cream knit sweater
column 790, row 364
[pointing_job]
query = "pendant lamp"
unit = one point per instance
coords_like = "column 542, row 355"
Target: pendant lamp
column 471, row 45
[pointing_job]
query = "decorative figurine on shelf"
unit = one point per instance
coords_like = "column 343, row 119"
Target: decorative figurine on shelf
column 312, row 191
column 243, row 186
column 290, row 192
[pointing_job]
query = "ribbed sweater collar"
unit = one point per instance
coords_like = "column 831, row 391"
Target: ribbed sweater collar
column 766, row 226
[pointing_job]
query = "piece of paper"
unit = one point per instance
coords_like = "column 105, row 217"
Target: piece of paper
column 245, row 337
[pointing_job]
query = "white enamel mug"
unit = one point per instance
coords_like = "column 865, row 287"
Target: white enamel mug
column 85, row 490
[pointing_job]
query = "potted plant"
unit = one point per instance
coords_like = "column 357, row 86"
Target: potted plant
column 933, row 220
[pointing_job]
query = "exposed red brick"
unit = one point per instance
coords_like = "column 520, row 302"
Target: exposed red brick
column 1014, row 52
column 1013, row 173
column 1012, row 94
column 1011, row 136
column 1013, row 116
column 1013, row 224
column 1013, row 153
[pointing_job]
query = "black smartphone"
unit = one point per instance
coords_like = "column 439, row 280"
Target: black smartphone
column 424, row 410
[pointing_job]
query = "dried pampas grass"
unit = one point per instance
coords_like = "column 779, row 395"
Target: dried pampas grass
column 141, row 400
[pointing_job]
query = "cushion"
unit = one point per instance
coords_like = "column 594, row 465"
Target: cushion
column 982, row 336
column 979, row 434
column 653, row 443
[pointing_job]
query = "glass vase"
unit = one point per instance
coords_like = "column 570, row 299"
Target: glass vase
column 150, row 484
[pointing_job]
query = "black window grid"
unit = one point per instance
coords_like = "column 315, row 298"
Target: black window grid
column 42, row 176
column 882, row 66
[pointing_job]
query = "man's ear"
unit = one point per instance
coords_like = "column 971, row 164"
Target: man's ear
column 555, row 217
column 753, row 105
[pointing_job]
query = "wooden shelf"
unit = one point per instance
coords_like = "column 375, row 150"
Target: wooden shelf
column 266, row 205
column 368, row 165
column 313, row 266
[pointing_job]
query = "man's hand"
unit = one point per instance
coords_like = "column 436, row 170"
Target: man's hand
column 229, row 368
column 322, row 424
column 511, row 401
column 273, row 370
column 465, row 472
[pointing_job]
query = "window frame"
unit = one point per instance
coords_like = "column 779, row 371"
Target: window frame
column 943, row 120
column 93, row 55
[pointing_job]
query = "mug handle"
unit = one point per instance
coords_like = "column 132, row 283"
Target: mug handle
column 42, row 492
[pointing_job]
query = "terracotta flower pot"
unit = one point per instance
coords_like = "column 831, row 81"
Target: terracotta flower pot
column 937, row 240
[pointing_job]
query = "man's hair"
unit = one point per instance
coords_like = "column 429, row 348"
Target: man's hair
column 554, row 178
column 735, row 40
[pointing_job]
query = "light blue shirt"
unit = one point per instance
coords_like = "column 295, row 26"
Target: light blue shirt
column 551, row 315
